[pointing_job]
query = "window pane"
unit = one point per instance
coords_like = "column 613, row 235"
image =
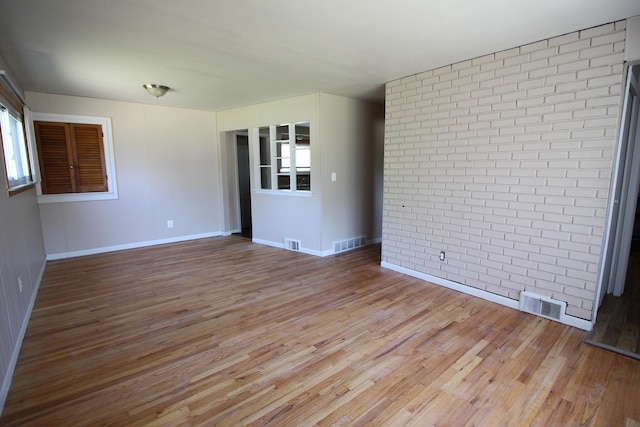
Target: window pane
column 303, row 158
column 303, row 182
column 15, row 150
column 302, row 132
column 265, row 147
column 284, row 182
column 284, row 153
column 283, row 157
column 282, row 132
column 265, row 177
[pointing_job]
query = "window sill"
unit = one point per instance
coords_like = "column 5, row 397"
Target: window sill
column 297, row 193
column 20, row 188
column 76, row 197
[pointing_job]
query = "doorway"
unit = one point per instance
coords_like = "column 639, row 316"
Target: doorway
column 619, row 291
column 625, row 189
column 244, row 184
column 235, row 183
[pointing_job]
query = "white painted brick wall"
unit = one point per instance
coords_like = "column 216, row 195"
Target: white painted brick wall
column 504, row 162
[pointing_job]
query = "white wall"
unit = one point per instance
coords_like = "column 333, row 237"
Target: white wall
column 504, row 162
column 231, row 221
column 352, row 148
column 632, row 48
column 279, row 215
column 345, row 139
column 22, row 256
column 167, row 169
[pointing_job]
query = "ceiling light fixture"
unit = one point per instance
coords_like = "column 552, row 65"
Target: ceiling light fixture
column 156, row 90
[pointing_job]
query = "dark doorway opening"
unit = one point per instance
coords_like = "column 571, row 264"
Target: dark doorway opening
column 244, row 184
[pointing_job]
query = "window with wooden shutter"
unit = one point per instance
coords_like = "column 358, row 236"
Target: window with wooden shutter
column 71, row 157
column 89, row 158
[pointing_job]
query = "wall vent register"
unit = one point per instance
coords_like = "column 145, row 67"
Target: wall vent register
column 542, row 306
column 292, row 245
column 348, row 244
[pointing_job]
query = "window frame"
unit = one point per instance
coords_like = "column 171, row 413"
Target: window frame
column 275, row 168
column 27, row 180
column 13, row 104
column 109, row 158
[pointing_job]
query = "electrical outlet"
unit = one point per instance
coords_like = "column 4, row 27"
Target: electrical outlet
column 170, row 223
column 441, row 255
column 20, row 283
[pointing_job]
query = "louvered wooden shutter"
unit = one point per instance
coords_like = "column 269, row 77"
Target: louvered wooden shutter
column 71, row 157
column 89, row 158
column 55, row 157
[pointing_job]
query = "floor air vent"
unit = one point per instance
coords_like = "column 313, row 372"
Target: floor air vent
column 292, row 245
column 542, row 306
column 348, row 244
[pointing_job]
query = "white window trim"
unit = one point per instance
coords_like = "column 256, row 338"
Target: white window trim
column 273, row 162
column 20, row 149
column 295, row 193
column 109, row 158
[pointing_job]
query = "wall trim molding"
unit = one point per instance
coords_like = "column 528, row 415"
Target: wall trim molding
column 310, row 251
column 105, row 249
column 281, row 246
column 6, row 382
column 576, row 322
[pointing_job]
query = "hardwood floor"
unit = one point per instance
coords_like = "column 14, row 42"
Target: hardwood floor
column 222, row 331
column 618, row 322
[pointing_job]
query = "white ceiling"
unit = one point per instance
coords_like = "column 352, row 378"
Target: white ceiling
column 219, row 54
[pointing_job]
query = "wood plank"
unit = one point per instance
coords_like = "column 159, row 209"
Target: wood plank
column 224, row 331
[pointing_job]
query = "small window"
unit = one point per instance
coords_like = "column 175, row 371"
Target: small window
column 284, row 153
column 71, row 158
column 16, row 154
column 75, row 158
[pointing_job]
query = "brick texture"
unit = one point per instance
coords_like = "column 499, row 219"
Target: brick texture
column 504, row 162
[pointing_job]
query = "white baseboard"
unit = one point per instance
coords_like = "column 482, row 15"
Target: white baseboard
column 305, row 250
column 469, row 290
column 268, row 243
column 281, row 246
column 333, row 252
column 93, row 251
column 6, row 382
